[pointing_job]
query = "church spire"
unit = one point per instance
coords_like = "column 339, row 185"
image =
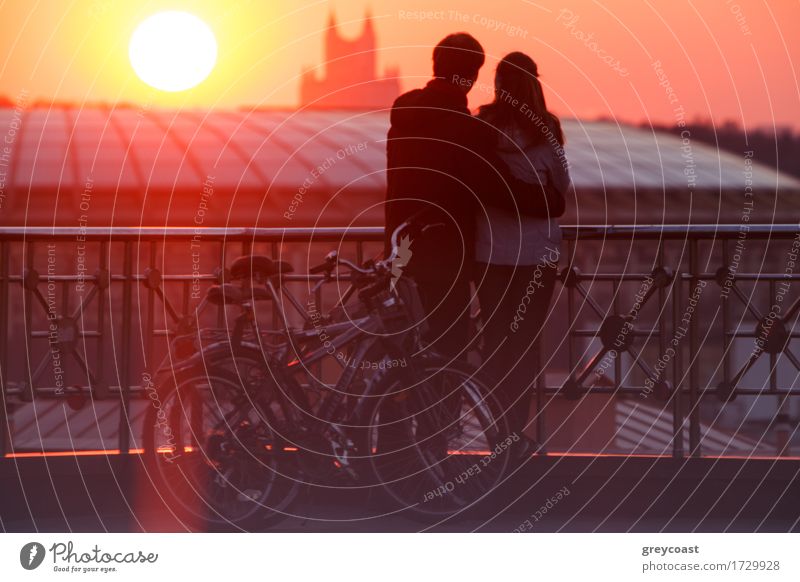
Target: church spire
column 368, row 29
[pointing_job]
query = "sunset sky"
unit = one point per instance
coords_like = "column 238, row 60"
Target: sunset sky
column 722, row 60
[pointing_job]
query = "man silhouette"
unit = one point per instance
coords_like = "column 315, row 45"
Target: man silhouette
column 441, row 167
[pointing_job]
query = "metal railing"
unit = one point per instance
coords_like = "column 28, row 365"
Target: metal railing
column 656, row 313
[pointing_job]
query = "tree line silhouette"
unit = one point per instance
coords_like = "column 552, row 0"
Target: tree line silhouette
column 777, row 147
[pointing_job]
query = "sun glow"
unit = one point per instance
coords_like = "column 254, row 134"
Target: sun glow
column 173, row 51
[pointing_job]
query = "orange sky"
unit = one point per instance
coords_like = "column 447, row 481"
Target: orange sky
column 723, row 59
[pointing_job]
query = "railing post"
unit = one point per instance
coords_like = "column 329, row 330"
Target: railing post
column 540, row 395
column 726, row 341
column 773, row 357
column 276, row 318
column 571, row 247
column 125, row 367
column 105, row 291
column 359, row 252
column 5, row 428
column 678, row 420
column 151, row 322
column 616, row 289
column 694, row 399
column 27, row 253
column 665, row 328
column 221, row 308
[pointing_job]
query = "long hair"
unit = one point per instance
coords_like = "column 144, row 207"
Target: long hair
column 519, row 101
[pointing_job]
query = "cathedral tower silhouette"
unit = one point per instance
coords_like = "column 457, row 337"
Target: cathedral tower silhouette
column 349, row 77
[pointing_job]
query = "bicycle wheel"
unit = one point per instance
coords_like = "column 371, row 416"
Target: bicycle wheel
column 437, row 447
column 214, row 449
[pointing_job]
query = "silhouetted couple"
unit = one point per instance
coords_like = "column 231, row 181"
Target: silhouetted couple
column 496, row 183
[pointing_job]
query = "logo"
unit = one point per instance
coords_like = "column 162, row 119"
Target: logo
column 31, row 555
column 402, row 258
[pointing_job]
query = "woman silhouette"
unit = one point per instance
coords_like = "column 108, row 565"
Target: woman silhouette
column 517, row 255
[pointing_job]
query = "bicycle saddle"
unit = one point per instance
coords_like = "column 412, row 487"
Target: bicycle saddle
column 258, row 266
column 226, row 294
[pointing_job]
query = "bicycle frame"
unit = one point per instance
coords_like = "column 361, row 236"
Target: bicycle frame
column 364, row 333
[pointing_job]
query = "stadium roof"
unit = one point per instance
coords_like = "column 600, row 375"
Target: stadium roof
column 136, row 152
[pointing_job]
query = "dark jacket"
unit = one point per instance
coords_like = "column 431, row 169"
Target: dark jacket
column 442, row 161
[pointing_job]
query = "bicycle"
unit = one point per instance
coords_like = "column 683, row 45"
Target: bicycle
column 246, row 426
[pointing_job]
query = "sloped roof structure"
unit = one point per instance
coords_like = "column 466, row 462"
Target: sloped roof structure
column 150, row 166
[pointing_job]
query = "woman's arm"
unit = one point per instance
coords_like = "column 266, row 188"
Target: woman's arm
column 558, row 170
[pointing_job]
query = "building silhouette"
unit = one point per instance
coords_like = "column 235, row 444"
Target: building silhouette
column 348, row 79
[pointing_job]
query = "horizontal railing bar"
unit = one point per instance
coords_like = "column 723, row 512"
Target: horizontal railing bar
column 654, row 331
column 304, row 277
column 589, row 276
column 673, row 231
column 234, row 234
column 376, row 233
column 765, row 277
column 141, row 392
column 46, row 334
column 733, row 333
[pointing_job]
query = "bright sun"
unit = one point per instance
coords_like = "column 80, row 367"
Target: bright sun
column 173, row 51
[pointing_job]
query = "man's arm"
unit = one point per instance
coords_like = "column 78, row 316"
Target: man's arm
column 492, row 182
